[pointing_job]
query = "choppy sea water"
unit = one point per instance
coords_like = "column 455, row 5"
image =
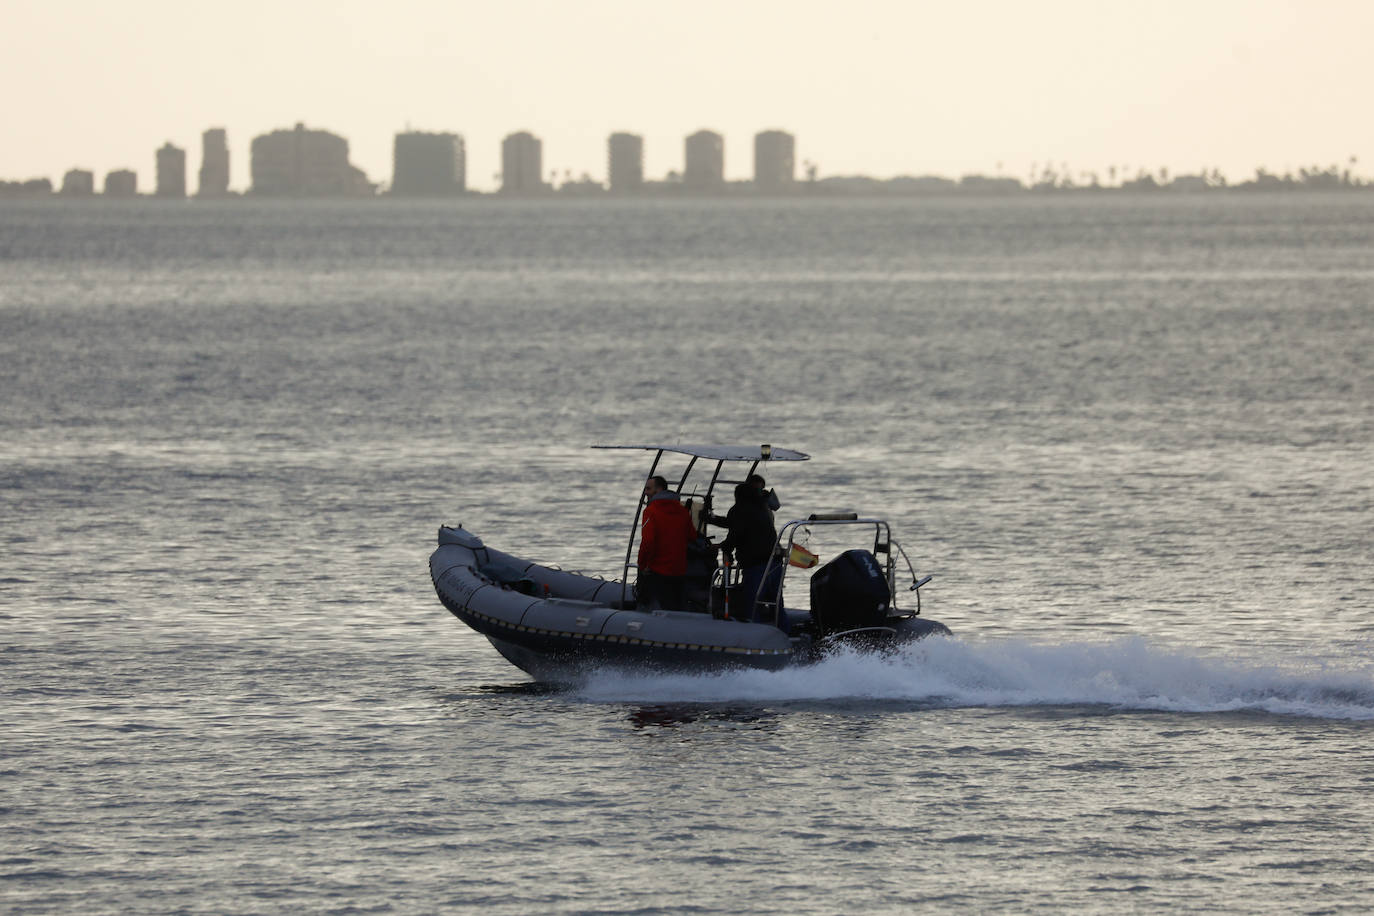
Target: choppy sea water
column 1130, row 437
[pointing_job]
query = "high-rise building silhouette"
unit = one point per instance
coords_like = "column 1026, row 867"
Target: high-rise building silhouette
column 121, row 183
column 522, row 164
column 34, row 187
column 305, row 163
column 704, row 161
column 429, row 165
column 171, row 171
column 214, row 163
column 78, row 183
column 774, row 160
column 625, row 162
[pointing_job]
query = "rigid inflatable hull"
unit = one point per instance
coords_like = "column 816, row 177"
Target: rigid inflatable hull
column 562, row 624
column 559, row 635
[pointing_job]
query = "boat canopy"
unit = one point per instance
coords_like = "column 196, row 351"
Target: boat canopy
column 700, row 500
column 723, row 452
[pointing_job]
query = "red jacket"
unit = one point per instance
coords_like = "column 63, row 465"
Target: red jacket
column 668, row 529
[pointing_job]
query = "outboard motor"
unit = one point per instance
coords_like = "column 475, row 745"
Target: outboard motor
column 849, row 593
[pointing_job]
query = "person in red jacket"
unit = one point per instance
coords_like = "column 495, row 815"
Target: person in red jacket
column 663, row 541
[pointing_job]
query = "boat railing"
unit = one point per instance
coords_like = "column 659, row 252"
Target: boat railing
column 703, row 498
column 885, row 549
column 723, row 580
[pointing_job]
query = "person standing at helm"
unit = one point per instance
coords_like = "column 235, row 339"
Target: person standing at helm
column 751, row 538
column 770, row 498
column 663, row 541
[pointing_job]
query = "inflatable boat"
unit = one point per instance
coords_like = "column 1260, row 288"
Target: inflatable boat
column 555, row 624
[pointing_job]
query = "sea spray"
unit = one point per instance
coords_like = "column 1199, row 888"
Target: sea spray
column 1126, row 674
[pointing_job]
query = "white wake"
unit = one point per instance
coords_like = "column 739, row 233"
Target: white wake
column 1126, row 674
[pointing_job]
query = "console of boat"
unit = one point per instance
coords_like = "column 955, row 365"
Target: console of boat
column 833, row 579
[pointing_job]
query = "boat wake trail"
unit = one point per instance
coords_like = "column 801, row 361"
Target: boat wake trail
column 949, row 673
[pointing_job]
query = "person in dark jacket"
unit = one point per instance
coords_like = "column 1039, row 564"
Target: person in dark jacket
column 663, row 540
column 751, row 540
column 770, row 497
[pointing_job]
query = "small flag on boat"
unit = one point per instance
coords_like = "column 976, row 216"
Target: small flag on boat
column 802, row 558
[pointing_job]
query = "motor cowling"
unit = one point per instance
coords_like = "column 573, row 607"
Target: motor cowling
column 849, row 593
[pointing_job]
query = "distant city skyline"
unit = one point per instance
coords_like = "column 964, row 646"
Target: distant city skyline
column 869, row 88
column 310, row 162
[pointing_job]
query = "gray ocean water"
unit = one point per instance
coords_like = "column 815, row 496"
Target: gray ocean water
column 1131, row 438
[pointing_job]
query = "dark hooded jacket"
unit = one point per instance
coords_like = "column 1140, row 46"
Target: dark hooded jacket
column 752, row 534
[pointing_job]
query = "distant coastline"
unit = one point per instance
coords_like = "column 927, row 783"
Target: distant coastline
column 833, row 187
column 311, row 163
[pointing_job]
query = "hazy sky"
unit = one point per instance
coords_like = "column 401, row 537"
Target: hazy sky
column 879, row 88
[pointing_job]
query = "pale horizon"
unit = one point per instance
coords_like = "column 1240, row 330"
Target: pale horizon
column 878, row 89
